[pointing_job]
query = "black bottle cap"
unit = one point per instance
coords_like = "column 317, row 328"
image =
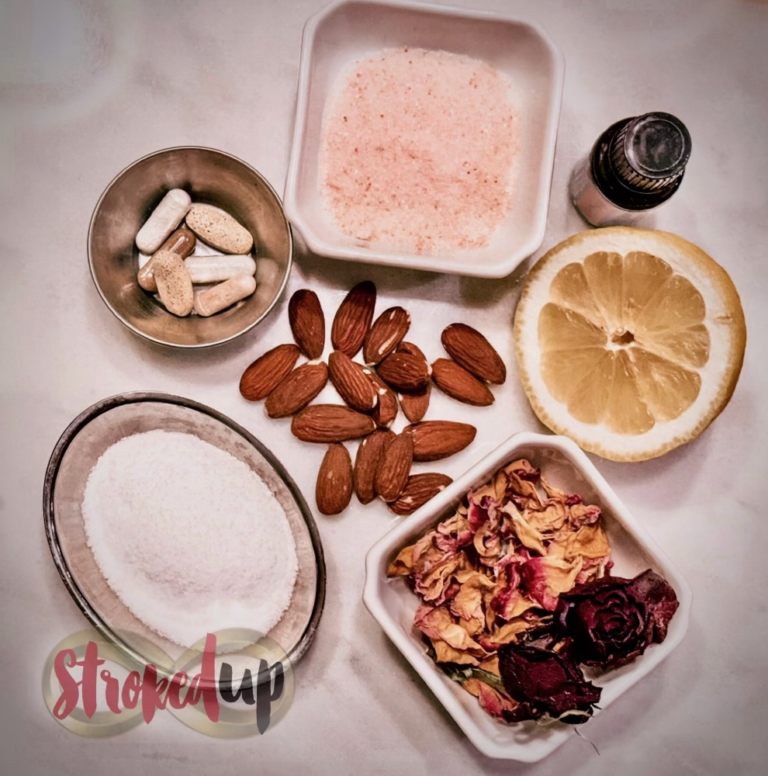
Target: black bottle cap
column 638, row 163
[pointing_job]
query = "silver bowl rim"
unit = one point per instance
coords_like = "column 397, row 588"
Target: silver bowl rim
column 196, row 346
column 136, row 397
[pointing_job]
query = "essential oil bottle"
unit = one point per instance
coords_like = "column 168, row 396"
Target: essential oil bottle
column 635, row 165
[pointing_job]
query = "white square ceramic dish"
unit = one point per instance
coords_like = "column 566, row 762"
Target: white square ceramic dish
column 350, row 30
column 393, row 604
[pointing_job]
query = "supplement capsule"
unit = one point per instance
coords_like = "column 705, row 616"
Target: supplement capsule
column 164, row 219
column 214, row 269
column 215, row 299
column 173, row 283
column 181, row 242
column 219, row 229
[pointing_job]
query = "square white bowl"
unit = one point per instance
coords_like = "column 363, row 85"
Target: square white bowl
column 393, row 604
column 352, row 29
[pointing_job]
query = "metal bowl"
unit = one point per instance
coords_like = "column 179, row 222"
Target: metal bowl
column 209, row 176
column 88, row 437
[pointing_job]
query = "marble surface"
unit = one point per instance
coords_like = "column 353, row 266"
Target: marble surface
column 87, row 87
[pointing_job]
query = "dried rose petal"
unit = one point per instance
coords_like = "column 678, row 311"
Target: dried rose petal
column 438, row 625
column 544, row 579
column 491, row 700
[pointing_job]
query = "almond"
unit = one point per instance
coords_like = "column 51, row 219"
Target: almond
column 297, row 390
column 435, row 439
column 267, row 371
column 352, row 382
column 470, row 349
column 419, row 489
column 307, row 323
column 415, row 405
column 353, row 318
column 404, row 372
column 330, row 423
column 385, row 334
column 367, row 461
column 334, row 481
column 458, row 383
column 386, row 410
column 395, row 466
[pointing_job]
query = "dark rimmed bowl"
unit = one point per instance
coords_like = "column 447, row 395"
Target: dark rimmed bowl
column 209, row 176
column 75, row 454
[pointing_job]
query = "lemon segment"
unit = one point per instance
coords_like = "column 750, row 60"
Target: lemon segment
column 642, row 277
column 603, row 271
column 564, row 329
column 571, row 290
column 666, row 388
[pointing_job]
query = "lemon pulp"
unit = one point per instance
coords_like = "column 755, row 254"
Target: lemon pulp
column 622, row 340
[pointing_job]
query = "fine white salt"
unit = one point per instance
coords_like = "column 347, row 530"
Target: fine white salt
column 418, row 150
column 190, row 538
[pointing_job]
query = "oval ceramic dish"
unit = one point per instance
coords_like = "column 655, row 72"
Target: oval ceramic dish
column 75, row 454
column 393, row 604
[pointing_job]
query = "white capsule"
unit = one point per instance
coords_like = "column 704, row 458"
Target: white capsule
column 215, row 299
column 214, row 269
column 164, row 219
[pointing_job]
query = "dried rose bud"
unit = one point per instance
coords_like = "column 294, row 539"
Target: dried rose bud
column 612, row 620
column 547, row 683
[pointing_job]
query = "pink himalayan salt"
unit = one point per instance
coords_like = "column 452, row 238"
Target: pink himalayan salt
column 417, row 151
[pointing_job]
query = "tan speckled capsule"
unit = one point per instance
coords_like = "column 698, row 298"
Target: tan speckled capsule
column 181, row 242
column 216, row 299
column 173, row 283
column 164, row 219
column 214, row 269
column 219, row 229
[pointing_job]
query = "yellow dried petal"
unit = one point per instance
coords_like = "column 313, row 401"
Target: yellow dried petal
column 445, row 653
column 491, row 665
column 402, row 565
column 528, row 536
column 589, row 541
column 432, row 584
column 509, row 631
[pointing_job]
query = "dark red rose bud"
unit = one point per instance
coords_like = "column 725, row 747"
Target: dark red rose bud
column 610, row 621
column 547, row 683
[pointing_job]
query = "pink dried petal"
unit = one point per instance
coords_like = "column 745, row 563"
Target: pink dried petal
column 545, row 578
column 581, row 514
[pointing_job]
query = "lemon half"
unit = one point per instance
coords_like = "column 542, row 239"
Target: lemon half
column 629, row 341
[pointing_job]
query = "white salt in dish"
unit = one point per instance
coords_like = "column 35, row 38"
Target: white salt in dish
column 352, row 30
column 191, row 539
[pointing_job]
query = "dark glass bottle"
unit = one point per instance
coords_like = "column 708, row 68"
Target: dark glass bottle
column 635, row 165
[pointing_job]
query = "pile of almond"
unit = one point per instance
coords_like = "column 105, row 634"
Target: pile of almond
column 396, row 375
